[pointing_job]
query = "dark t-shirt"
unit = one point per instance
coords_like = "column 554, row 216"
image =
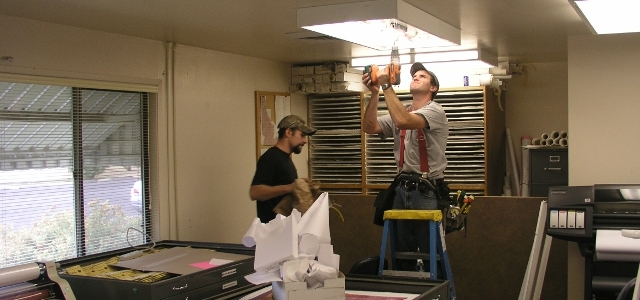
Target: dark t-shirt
column 275, row 167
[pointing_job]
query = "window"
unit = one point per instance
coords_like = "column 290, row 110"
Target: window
column 73, row 171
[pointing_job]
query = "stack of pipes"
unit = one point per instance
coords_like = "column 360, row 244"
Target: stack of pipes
column 554, row 138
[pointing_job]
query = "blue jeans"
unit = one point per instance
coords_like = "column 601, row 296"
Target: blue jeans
column 413, row 235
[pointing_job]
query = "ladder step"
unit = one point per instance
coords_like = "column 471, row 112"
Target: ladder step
column 421, row 275
column 415, row 255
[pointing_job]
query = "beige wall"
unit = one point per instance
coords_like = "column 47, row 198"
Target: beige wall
column 536, row 103
column 215, row 139
column 603, row 119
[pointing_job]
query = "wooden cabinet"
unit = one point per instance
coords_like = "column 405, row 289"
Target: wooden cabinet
column 346, row 160
column 548, row 167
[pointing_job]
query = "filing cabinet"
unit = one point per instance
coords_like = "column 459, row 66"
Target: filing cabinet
column 211, row 282
column 549, row 166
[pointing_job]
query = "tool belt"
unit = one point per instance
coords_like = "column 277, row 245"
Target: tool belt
column 416, row 181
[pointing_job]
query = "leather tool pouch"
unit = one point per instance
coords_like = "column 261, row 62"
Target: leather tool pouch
column 453, row 219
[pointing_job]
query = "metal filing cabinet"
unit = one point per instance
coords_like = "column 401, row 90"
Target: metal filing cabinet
column 212, row 282
column 549, row 166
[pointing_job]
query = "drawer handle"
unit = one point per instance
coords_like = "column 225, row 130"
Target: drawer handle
column 180, row 288
column 553, row 169
column 554, row 158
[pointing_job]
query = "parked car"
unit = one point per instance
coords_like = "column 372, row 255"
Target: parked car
column 136, row 195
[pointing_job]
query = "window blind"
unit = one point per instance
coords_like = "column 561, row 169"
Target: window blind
column 73, row 171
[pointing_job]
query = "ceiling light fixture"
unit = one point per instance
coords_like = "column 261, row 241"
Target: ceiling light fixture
column 443, row 60
column 609, row 16
column 379, row 24
column 463, row 59
column 357, row 62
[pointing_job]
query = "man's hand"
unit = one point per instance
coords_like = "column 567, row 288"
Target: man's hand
column 383, row 76
column 366, row 80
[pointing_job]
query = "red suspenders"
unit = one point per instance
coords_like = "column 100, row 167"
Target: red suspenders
column 422, row 146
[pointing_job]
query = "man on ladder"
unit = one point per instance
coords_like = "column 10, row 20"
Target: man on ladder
column 420, row 133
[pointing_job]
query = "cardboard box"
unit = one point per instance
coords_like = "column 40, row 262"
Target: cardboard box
column 333, row 289
column 322, row 87
column 345, row 68
column 344, row 76
column 321, row 69
column 347, row 86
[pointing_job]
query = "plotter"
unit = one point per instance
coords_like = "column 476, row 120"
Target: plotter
column 604, row 220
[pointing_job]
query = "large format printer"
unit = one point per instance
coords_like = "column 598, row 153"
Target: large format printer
column 588, row 215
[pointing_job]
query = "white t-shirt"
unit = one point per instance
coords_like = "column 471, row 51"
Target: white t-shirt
column 436, row 134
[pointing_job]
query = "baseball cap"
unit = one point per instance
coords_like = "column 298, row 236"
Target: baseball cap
column 295, row 122
column 418, row 66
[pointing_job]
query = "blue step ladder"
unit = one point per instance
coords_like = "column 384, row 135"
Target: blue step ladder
column 437, row 246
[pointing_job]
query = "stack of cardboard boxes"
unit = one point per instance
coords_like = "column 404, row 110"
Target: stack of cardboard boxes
column 326, row 78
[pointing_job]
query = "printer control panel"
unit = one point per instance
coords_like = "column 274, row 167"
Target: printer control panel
column 570, row 213
column 566, row 218
column 570, row 223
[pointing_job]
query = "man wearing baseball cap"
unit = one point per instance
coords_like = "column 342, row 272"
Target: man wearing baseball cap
column 275, row 172
column 420, row 133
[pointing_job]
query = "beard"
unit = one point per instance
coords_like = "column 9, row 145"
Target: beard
column 298, row 149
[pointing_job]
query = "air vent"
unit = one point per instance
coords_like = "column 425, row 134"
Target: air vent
column 310, row 36
column 320, row 38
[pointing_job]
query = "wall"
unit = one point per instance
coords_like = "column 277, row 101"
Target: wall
column 603, row 119
column 536, row 103
column 215, row 139
column 204, row 141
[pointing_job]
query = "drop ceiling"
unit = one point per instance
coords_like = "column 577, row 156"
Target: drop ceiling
column 518, row 31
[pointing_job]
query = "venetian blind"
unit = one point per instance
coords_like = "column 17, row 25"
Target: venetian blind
column 73, row 171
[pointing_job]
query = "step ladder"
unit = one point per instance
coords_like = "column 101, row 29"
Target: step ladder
column 437, row 246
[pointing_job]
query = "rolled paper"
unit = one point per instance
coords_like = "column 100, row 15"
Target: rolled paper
column 544, row 136
column 20, row 273
column 549, row 142
column 554, row 135
column 563, row 135
column 564, row 142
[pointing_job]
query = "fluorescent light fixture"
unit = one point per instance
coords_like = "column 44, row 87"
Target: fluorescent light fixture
column 378, row 60
column 464, row 59
column 379, row 24
column 475, row 59
column 609, row 16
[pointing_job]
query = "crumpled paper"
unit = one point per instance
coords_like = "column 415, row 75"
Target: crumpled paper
column 302, row 197
column 287, row 247
column 309, row 271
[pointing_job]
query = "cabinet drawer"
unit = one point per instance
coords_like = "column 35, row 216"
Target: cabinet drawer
column 541, row 189
column 549, row 166
column 188, row 283
column 215, row 290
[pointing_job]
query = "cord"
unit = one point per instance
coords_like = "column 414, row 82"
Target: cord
column 626, row 288
column 143, row 248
